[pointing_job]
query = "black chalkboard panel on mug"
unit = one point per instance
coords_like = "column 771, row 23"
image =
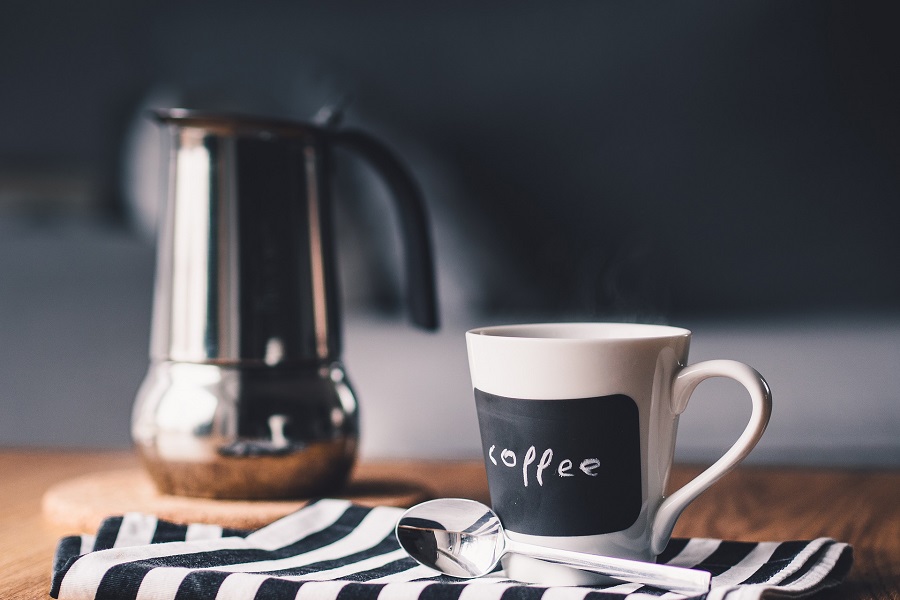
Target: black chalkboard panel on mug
column 562, row 467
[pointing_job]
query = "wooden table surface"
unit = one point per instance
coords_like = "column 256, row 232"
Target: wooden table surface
column 753, row 504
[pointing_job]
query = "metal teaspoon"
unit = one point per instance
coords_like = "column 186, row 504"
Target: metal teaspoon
column 464, row 538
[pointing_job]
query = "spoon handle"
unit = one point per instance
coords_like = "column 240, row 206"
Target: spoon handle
column 676, row 579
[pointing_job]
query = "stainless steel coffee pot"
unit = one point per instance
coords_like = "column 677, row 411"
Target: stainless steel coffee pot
column 246, row 396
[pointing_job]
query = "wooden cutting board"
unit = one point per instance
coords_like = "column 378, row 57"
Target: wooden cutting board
column 80, row 504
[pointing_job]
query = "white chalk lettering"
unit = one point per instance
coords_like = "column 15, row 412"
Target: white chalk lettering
column 546, row 457
column 529, row 458
column 565, row 467
column 588, row 465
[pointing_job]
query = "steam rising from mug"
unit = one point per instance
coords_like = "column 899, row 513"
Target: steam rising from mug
column 246, row 396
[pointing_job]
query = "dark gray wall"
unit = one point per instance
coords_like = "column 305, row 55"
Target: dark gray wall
column 643, row 159
column 729, row 166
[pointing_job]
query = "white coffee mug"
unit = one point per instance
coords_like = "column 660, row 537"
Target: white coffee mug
column 578, row 424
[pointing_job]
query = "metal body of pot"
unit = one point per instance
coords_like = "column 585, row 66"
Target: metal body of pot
column 246, row 395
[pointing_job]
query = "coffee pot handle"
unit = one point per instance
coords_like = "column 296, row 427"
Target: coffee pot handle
column 421, row 295
column 686, row 382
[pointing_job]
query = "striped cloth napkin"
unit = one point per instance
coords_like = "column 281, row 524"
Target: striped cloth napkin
column 336, row 550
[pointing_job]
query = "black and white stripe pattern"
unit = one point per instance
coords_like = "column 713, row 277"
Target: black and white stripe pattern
column 335, row 550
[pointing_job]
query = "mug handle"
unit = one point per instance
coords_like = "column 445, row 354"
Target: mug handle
column 686, row 382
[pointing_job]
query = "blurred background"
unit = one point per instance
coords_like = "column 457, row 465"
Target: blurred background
column 727, row 167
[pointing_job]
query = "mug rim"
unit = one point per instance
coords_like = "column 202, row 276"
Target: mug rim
column 579, row 331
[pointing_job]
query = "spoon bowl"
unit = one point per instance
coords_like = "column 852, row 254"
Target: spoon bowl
column 457, row 537
column 465, row 539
